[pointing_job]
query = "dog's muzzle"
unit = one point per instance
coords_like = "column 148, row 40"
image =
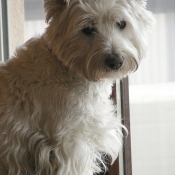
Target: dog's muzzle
column 114, row 62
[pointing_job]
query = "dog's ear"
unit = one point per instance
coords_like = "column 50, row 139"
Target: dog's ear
column 52, row 7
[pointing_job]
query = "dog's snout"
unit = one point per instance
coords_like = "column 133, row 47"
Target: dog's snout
column 114, row 62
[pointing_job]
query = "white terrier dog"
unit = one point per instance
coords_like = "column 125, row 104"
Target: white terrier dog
column 56, row 117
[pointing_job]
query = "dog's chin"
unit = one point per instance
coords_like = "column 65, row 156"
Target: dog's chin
column 113, row 75
column 97, row 72
column 117, row 74
column 103, row 75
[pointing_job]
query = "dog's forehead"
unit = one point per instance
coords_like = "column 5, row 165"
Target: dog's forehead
column 98, row 6
column 100, row 9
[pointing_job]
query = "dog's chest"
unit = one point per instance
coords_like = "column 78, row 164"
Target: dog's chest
column 91, row 97
column 88, row 105
column 88, row 117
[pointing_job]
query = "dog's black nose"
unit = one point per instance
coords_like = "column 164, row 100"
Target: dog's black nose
column 114, row 62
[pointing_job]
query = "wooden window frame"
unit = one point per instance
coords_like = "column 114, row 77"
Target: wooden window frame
column 125, row 157
column 4, row 27
column 12, row 26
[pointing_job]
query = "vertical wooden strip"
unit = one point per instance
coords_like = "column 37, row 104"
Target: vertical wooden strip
column 4, row 32
column 127, row 160
column 114, row 169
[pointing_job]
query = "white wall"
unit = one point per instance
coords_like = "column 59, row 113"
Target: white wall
column 152, row 98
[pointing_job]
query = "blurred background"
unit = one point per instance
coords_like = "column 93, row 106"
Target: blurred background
column 152, row 98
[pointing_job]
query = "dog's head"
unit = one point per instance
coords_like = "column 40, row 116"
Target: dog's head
column 98, row 39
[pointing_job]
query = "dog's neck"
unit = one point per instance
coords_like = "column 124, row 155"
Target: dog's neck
column 72, row 75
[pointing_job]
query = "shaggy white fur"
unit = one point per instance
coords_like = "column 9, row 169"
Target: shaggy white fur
column 56, row 116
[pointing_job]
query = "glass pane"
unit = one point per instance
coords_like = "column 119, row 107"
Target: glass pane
column 34, row 18
column 152, row 98
column 4, row 45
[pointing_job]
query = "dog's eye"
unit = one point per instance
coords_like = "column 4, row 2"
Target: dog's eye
column 121, row 25
column 89, row 30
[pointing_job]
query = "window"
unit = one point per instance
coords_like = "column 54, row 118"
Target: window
column 4, row 54
column 34, row 18
column 152, row 98
column 11, row 27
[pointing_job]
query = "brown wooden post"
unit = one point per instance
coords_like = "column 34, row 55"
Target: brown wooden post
column 114, row 169
column 125, row 112
column 127, row 160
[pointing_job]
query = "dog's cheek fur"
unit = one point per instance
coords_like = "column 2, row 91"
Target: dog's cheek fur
column 69, row 44
column 61, row 28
